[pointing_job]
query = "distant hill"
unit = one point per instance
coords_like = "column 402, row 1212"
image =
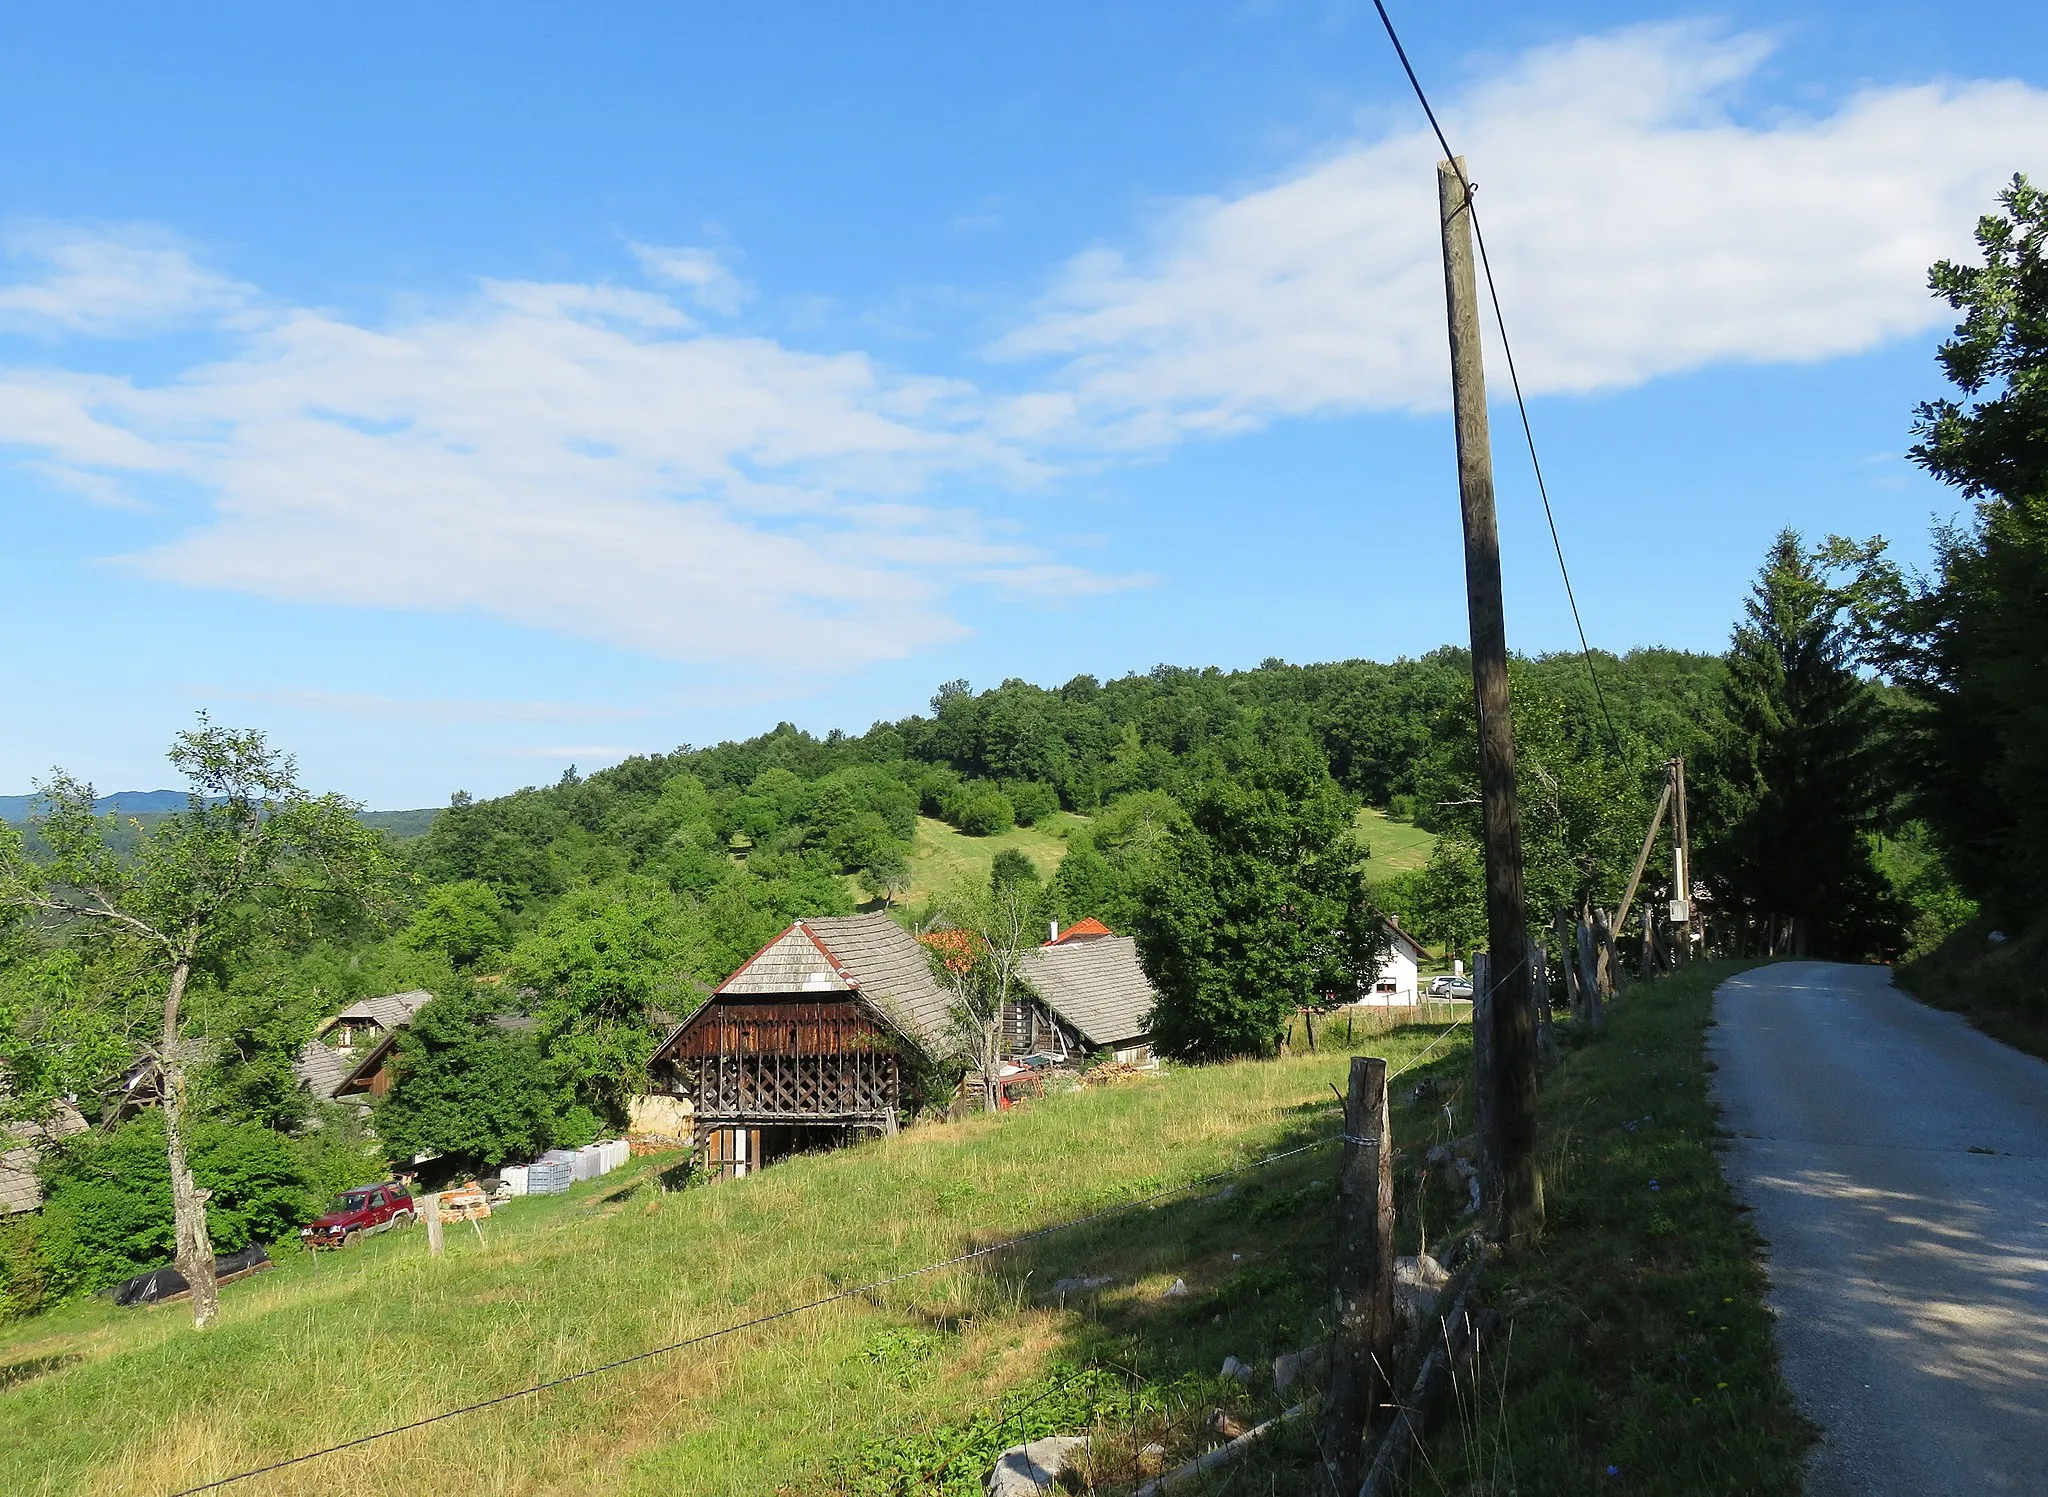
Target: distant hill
column 149, row 804
column 16, row 807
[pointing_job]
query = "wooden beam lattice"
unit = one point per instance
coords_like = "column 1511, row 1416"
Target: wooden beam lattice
column 797, row 1087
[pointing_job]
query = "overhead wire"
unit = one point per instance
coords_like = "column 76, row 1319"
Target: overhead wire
column 813, row 1304
column 1514, row 375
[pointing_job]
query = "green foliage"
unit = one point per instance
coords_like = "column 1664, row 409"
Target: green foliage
column 1443, row 902
column 1797, row 782
column 465, row 921
column 107, row 1198
column 1012, row 867
column 467, row 1087
column 1256, row 907
column 1971, row 647
column 1031, row 801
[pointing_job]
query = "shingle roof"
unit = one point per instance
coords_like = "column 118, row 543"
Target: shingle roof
column 321, row 1068
column 868, row 954
column 1096, row 985
column 391, row 1011
column 1085, row 929
column 20, row 1190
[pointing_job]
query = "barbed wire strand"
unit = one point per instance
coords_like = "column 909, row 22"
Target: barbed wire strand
column 783, row 1314
column 1514, row 375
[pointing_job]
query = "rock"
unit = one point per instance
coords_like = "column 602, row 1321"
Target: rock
column 1289, row 1369
column 1233, row 1368
column 1418, row 1281
column 1178, row 1289
column 1082, row 1285
column 1028, row 1470
column 1151, row 1460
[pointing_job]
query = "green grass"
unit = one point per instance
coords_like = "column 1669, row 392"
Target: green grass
column 1638, row 1356
column 1997, row 986
column 99, row 1400
column 942, row 857
column 1396, row 846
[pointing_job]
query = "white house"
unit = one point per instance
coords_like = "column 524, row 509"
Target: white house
column 1397, row 985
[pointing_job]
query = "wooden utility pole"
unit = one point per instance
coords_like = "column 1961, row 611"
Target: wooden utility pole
column 1681, row 869
column 1513, row 1187
column 1362, row 1350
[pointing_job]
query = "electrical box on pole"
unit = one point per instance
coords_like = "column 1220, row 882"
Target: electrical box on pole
column 1509, row 1178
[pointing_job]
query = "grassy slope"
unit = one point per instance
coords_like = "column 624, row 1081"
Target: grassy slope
column 1999, row 987
column 943, row 856
column 1396, row 846
column 1640, row 1340
column 319, row 1350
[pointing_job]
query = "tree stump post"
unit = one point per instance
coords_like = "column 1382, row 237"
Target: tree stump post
column 430, row 1212
column 1362, row 1350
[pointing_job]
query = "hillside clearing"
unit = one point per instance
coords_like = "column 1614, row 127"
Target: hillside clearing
column 942, row 857
column 101, row 1400
column 1396, row 846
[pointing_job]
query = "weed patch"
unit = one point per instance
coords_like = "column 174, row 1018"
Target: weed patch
column 1638, row 1355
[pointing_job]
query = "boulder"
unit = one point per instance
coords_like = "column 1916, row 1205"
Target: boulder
column 1291, row 1368
column 1084, row 1284
column 1232, row 1368
column 1178, row 1289
column 1418, row 1281
column 1030, row 1469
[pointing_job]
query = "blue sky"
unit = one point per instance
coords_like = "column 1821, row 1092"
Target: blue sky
column 461, row 396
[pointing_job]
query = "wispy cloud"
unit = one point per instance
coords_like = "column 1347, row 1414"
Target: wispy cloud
column 702, row 274
column 1637, row 228
column 108, row 280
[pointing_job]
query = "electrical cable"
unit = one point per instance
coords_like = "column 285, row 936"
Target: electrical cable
column 1514, row 377
column 761, row 1320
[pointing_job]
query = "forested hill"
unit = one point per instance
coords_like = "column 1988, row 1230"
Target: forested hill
column 811, row 809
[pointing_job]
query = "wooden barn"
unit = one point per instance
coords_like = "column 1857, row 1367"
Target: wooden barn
column 1087, row 993
column 804, row 1044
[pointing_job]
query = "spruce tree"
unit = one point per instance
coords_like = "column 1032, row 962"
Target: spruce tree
column 1796, row 785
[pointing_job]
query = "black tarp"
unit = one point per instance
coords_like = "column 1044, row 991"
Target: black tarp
column 163, row 1283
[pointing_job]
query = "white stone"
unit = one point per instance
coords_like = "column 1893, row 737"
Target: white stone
column 1030, row 1469
column 1232, row 1368
column 1178, row 1289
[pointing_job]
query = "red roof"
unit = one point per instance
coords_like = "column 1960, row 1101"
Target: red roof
column 955, row 947
column 1081, row 930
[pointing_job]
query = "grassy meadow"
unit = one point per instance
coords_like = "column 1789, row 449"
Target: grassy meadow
column 1638, row 1356
column 904, row 1390
column 942, row 857
column 1396, row 846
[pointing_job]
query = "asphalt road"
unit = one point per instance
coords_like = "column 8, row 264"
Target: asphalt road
column 1897, row 1161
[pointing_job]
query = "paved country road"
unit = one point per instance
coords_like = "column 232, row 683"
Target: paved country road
column 1898, row 1164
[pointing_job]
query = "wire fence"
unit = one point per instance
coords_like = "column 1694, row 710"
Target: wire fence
column 873, row 1286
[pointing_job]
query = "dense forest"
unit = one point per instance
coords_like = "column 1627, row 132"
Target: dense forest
column 1864, row 758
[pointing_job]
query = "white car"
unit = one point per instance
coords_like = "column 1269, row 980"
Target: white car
column 1447, row 986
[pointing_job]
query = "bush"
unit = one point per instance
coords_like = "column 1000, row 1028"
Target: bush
column 981, row 810
column 107, row 1198
column 22, row 1280
column 466, row 1088
column 1033, row 800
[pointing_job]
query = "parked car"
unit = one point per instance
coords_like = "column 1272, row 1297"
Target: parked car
column 359, row 1212
column 1447, row 986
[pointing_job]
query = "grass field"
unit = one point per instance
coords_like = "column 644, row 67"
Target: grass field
column 903, row 1390
column 941, row 856
column 1639, row 1356
column 1396, row 846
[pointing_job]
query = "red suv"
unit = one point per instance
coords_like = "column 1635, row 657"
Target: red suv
column 359, row 1212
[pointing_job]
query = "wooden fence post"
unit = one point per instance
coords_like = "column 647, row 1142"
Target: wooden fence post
column 1539, row 995
column 1589, row 974
column 1483, row 1077
column 1606, row 960
column 1574, row 995
column 430, row 1209
column 1362, row 1350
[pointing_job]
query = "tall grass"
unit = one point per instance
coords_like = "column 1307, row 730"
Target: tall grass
column 328, row 1349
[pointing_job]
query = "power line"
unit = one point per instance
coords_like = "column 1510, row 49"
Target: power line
column 758, row 1320
column 784, row 1314
column 1514, row 377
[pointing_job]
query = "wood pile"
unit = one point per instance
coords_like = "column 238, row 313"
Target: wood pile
column 1114, row 1073
column 465, row 1203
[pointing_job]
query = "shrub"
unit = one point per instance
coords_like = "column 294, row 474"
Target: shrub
column 107, row 1198
column 981, row 810
column 1033, row 800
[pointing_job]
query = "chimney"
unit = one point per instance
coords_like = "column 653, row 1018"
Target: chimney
column 1052, row 932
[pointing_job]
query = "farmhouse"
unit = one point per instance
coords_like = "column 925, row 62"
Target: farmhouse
column 806, row 1042
column 348, row 1058
column 1396, row 985
column 1088, row 993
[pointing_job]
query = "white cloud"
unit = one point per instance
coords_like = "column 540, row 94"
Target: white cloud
column 1636, row 227
column 108, row 281
column 702, row 274
column 565, row 457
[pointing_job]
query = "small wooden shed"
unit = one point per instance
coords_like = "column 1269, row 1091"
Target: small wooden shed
column 1087, row 992
column 803, row 1045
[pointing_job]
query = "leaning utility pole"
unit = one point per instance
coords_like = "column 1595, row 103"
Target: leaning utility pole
column 1681, row 869
column 1508, row 1175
